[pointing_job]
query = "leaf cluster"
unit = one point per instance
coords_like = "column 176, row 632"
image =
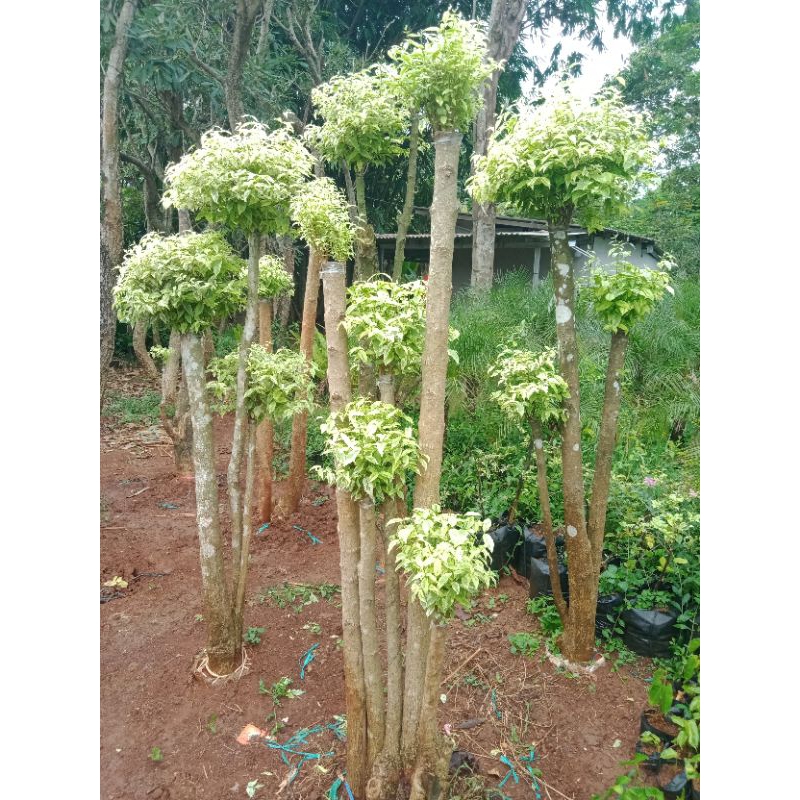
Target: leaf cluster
column 442, row 69
column 386, row 322
column 445, row 557
column 530, row 385
column 372, row 446
column 569, row 152
column 364, row 118
column 321, row 215
column 243, row 180
column 279, row 385
column 626, row 295
column 186, row 282
column 273, row 279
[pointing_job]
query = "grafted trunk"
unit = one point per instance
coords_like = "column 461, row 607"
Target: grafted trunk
column 404, row 217
column 606, row 442
column 241, row 421
column 140, row 349
column 373, row 672
column 221, row 644
column 578, row 637
column 265, row 438
column 334, row 283
column 429, row 781
column 297, row 457
column 111, row 233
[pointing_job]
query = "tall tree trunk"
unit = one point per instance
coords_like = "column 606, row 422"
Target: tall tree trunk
column 221, row 644
column 505, row 24
column 241, row 421
column 246, row 11
column 404, row 217
column 285, row 303
column 365, row 233
column 430, row 774
column 140, row 349
column 263, row 34
column 578, row 637
column 111, row 241
column 297, row 457
column 334, row 288
column 605, row 446
column 240, row 569
column 444, row 211
column 265, row 439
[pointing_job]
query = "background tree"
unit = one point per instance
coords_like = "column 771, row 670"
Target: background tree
column 441, row 71
column 188, row 282
column 546, row 162
column 111, row 242
column 274, row 284
column 321, row 217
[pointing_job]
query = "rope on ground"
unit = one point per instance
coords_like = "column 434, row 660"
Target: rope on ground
column 306, row 660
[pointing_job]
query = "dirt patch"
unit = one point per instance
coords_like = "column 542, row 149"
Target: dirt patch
column 580, row 728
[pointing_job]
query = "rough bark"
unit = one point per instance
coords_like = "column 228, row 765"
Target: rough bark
column 404, row 217
column 578, row 637
column 373, row 672
column 265, row 437
column 111, row 241
column 365, row 234
column 505, row 24
column 297, row 457
column 241, row 422
column 334, row 288
column 221, row 644
column 285, row 303
column 174, row 394
column 547, row 518
column 606, row 441
column 240, row 569
column 246, row 12
column 140, row 349
column 155, row 215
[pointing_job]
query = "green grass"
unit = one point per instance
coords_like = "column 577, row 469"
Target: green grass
column 130, row 408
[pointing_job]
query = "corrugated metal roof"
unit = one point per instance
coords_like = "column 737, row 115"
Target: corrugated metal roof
column 464, row 235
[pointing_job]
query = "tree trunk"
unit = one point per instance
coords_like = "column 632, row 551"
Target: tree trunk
column 246, row 11
column 444, row 211
column 606, row 442
column 240, row 569
column 578, row 637
column 404, row 217
column 174, row 393
column 265, row 439
column 221, row 645
column 297, row 456
column 334, row 288
column 111, row 233
column 365, row 234
column 433, row 751
column 285, row 303
column 373, row 672
column 241, row 421
column 547, row 518
column 505, row 24
column 140, row 349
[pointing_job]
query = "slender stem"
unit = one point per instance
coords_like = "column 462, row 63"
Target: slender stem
column 404, row 217
column 265, row 434
column 247, row 530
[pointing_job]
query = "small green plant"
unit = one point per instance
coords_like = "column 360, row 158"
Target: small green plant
column 298, row 595
column 198, row 617
column 280, row 690
column 624, row 787
column 524, row 644
column 211, row 725
column 252, row 787
column 313, row 627
column 253, row 635
column 155, row 754
column 473, row 680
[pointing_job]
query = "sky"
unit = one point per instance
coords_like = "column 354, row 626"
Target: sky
column 595, row 65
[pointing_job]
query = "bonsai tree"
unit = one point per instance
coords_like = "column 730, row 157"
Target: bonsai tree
column 320, row 216
column 274, row 283
column 372, row 447
column 364, row 122
column 446, row 564
column 441, row 72
column 189, row 282
column 279, row 386
column 245, row 182
column 547, row 162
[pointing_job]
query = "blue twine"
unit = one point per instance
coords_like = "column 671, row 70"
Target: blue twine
column 512, row 773
column 262, row 528
column 310, row 535
column 497, row 711
column 528, row 761
column 333, row 792
column 336, row 729
column 289, row 747
column 306, row 660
